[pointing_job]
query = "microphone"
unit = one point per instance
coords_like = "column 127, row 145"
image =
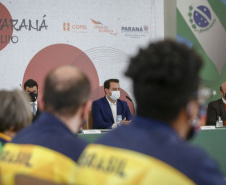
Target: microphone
column 132, row 103
column 129, row 98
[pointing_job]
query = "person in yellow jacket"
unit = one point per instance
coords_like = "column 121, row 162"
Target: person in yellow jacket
column 49, row 148
column 152, row 149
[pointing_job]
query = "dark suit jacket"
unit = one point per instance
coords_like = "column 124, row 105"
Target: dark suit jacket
column 102, row 114
column 38, row 112
column 215, row 109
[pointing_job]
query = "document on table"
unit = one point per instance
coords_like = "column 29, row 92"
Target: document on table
column 91, row 132
column 208, row 127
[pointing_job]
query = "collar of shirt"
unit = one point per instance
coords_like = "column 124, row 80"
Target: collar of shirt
column 36, row 105
column 48, row 120
column 153, row 124
column 110, row 102
column 31, row 103
column 5, row 137
column 224, row 100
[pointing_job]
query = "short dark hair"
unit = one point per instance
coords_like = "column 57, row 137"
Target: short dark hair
column 67, row 99
column 165, row 77
column 221, row 89
column 107, row 83
column 30, row 83
column 15, row 111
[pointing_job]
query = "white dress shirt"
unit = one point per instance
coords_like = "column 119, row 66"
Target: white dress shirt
column 114, row 112
column 224, row 100
column 113, row 109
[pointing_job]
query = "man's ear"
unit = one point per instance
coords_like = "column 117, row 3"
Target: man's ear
column 106, row 91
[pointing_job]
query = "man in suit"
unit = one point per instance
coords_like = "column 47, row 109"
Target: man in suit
column 217, row 108
column 152, row 149
column 31, row 88
column 106, row 109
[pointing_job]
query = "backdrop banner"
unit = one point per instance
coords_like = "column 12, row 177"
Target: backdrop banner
column 201, row 25
column 99, row 37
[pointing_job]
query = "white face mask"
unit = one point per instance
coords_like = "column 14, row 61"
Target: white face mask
column 115, row 95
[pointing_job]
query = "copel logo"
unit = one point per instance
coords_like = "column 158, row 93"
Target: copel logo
column 200, row 18
column 75, row 28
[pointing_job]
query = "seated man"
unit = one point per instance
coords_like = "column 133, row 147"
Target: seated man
column 31, row 88
column 15, row 114
column 106, row 109
column 152, row 150
column 217, row 108
column 49, row 148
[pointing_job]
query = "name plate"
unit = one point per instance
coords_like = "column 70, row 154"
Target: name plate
column 207, row 127
column 91, row 132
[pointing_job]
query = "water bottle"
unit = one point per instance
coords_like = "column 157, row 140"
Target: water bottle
column 219, row 122
column 119, row 120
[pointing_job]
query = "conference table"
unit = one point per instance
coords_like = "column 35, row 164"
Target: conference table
column 209, row 138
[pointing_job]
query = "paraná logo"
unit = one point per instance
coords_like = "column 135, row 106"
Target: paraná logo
column 200, row 18
column 10, row 26
column 145, row 28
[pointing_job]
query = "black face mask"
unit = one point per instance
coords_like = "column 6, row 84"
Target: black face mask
column 33, row 96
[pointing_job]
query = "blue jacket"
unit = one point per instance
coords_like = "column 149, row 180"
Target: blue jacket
column 50, row 132
column 158, row 140
column 102, row 114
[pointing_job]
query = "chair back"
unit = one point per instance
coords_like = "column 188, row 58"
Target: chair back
column 89, row 123
column 21, row 179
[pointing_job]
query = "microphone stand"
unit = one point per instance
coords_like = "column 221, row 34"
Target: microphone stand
column 132, row 103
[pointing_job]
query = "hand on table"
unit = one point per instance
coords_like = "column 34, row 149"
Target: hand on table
column 125, row 122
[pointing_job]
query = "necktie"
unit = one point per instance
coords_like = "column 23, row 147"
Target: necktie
column 34, row 109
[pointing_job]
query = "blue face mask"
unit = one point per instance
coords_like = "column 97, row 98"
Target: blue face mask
column 115, row 95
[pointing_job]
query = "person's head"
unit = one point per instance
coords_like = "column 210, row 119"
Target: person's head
column 31, row 88
column 112, row 89
column 15, row 112
column 165, row 77
column 66, row 95
column 223, row 90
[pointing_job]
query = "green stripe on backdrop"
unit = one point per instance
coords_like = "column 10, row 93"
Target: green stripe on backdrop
column 209, row 71
column 209, row 74
column 220, row 10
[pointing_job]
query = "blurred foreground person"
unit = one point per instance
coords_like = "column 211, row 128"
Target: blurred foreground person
column 152, row 150
column 49, row 148
column 15, row 114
